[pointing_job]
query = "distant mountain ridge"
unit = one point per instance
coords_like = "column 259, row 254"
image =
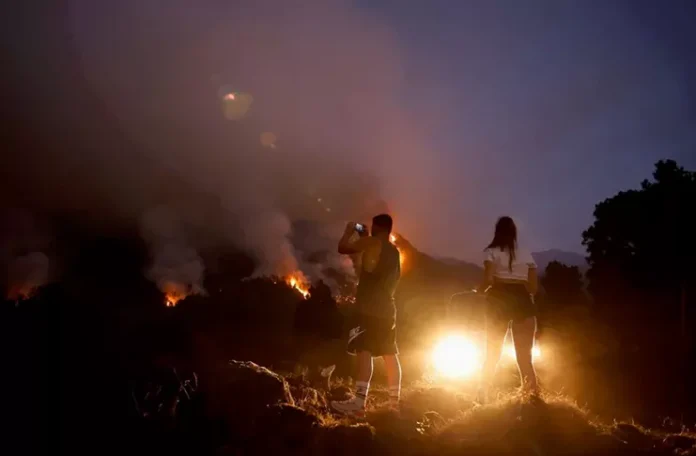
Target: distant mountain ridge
column 545, row 257
column 542, row 259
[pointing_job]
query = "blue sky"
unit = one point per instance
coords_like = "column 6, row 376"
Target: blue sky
column 543, row 108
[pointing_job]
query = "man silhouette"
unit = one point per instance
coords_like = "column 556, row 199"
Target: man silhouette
column 374, row 334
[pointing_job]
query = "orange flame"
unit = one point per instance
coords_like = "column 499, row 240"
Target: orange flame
column 20, row 292
column 173, row 293
column 171, row 299
column 402, row 254
column 298, row 281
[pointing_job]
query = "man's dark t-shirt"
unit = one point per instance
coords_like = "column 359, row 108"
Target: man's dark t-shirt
column 375, row 294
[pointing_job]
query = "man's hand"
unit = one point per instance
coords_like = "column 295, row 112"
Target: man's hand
column 346, row 247
column 350, row 228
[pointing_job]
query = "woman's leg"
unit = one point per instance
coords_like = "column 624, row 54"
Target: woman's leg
column 393, row 367
column 495, row 336
column 523, row 333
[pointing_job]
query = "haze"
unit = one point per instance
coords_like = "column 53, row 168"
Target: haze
column 450, row 113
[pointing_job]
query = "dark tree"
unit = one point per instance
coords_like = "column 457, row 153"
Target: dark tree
column 642, row 252
column 563, row 285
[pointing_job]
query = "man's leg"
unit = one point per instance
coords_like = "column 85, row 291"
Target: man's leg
column 356, row 405
column 361, row 342
column 393, row 367
column 362, row 381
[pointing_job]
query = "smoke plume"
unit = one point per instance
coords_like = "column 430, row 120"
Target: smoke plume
column 271, row 112
column 176, row 266
column 25, row 243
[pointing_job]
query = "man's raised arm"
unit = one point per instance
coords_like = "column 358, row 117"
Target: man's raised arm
column 349, row 248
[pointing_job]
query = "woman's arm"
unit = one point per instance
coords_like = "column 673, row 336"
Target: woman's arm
column 487, row 279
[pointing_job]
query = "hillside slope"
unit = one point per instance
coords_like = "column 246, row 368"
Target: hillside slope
column 265, row 413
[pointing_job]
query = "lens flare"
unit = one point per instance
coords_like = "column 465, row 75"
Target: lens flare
column 456, row 356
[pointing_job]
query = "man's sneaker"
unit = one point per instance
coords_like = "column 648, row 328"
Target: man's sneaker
column 351, row 407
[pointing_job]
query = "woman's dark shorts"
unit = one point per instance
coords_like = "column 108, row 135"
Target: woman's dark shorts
column 509, row 302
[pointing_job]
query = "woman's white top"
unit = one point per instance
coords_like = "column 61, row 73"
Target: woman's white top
column 501, row 269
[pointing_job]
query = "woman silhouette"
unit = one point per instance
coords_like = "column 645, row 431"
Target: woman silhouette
column 510, row 283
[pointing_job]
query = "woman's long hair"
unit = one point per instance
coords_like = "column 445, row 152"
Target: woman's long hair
column 505, row 238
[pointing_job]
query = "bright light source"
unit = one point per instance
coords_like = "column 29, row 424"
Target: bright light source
column 456, row 357
column 509, row 351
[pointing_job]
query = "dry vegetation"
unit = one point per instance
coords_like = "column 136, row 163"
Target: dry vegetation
column 441, row 421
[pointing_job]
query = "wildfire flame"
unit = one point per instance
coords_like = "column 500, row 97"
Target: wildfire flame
column 173, row 293
column 20, row 292
column 298, row 281
column 171, row 300
column 402, row 254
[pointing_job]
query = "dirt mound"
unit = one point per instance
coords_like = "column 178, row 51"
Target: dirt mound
column 523, row 425
column 241, row 392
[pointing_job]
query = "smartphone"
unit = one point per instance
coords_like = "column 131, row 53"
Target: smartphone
column 360, row 228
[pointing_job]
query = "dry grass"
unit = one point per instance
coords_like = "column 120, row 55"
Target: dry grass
column 443, row 421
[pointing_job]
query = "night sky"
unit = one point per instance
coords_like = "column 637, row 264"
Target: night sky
column 462, row 111
column 544, row 108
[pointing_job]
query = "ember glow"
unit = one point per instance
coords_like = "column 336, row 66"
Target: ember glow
column 20, row 292
column 173, row 293
column 171, row 300
column 298, row 281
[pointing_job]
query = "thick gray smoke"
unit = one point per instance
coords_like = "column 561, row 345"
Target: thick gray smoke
column 176, row 266
column 281, row 112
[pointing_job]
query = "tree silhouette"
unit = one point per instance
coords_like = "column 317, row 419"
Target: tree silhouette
column 563, row 285
column 642, row 259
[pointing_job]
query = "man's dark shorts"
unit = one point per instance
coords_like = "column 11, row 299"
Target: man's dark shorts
column 374, row 335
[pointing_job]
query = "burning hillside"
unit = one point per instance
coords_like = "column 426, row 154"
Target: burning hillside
column 299, row 282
